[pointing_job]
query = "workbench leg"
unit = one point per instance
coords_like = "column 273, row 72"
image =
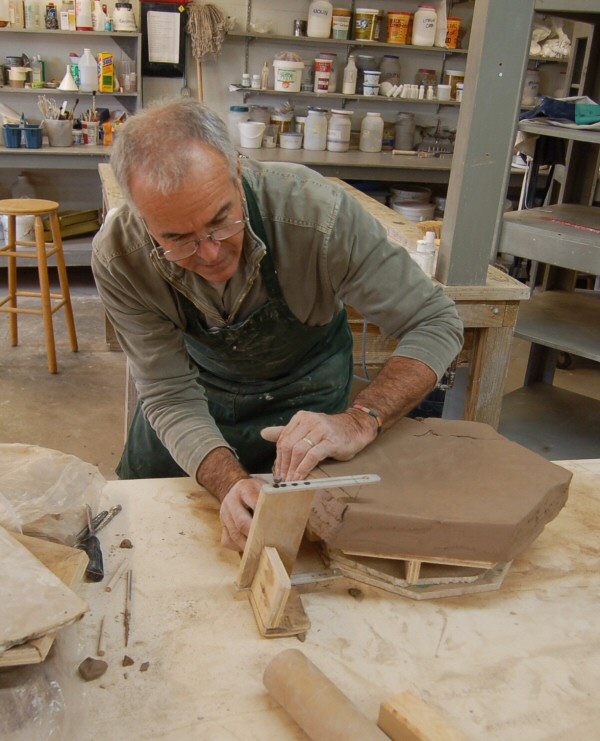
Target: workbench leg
column 541, row 365
column 489, row 366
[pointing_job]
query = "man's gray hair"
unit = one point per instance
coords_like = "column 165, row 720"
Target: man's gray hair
column 156, row 143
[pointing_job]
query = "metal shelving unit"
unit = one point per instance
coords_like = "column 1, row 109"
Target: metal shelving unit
column 563, row 241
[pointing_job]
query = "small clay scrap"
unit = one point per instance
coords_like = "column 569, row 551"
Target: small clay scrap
column 144, row 666
column 91, row 669
column 358, row 594
column 125, row 543
column 127, row 661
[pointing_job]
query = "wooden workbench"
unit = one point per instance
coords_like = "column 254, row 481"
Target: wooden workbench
column 489, row 312
column 521, row 662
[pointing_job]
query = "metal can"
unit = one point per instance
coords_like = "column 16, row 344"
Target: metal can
column 300, row 27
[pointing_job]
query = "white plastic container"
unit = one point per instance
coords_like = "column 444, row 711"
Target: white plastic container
column 405, row 131
column 338, row 131
column 424, row 26
column 333, row 77
column 237, row 114
column 350, row 77
column 320, row 16
column 531, row 88
column 371, row 76
column 323, row 69
column 371, row 133
column 410, row 194
column 83, row 15
column 370, row 89
column 88, row 72
column 426, row 254
column 414, row 211
column 290, row 140
column 251, row 134
column 287, row 75
column 315, row 130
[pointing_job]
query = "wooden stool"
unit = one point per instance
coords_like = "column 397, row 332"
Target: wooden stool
column 43, row 250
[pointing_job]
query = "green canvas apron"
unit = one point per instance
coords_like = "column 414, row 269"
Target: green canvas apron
column 256, row 373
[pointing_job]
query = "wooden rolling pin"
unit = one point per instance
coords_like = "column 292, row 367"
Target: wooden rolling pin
column 314, row 702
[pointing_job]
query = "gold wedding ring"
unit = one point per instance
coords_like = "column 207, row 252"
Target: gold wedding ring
column 309, row 442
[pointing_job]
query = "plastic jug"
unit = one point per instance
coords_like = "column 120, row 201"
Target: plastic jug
column 88, row 72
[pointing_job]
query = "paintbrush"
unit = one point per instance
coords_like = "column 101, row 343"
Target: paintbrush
column 72, row 114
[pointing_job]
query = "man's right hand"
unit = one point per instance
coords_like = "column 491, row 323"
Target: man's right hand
column 237, row 509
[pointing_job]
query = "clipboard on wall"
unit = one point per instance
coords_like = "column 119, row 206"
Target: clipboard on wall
column 163, row 38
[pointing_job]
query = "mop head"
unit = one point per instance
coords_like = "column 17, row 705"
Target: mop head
column 207, row 26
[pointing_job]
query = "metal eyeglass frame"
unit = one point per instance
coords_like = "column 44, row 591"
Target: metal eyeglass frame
column 195, row 244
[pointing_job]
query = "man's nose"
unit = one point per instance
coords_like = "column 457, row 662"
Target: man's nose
column 209, row 249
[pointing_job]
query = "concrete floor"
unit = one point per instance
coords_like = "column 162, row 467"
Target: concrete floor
column 80, row 410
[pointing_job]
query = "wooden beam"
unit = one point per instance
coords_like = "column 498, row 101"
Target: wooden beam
column 407, row 717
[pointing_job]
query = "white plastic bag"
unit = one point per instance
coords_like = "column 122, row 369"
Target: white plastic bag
column 44, row 492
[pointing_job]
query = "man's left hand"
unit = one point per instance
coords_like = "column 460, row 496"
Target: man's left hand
column 310, row 437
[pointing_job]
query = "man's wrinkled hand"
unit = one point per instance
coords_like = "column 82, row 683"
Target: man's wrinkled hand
column 237, row 509
column 310, row 437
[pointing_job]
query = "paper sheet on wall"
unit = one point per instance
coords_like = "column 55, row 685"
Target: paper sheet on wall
column 163, row 37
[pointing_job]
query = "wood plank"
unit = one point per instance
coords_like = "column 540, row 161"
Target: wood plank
column 407, row 717
column 279, row 521
column 425, row 559
column 270, row 589
column 489, row 366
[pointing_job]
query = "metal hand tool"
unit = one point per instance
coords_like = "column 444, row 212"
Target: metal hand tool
column 87, row 541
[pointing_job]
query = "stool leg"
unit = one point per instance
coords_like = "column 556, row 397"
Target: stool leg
column 12, row 280
column 64, row 280
column 45, row 292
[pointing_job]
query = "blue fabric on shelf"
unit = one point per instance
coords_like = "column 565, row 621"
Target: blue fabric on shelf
column 557, row 110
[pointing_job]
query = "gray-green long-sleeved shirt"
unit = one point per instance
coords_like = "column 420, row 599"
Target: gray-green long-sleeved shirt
column 328, row 252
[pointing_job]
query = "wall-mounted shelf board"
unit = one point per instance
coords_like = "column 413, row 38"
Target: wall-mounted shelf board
column 544, row 128
column 566, row 235
column 266, row 37
column 341, row 96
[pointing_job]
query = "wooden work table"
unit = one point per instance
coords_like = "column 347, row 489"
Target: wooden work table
column 489, row 312
column 517, row 663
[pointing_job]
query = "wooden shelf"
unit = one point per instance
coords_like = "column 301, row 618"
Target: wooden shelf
column 544, row 128
column 266, row 37
column 565, row 235
column 341, row 96
column 568, row 321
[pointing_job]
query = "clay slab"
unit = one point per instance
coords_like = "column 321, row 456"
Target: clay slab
column 451, row 490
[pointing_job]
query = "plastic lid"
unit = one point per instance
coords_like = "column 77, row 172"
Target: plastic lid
column 341, row 113
column 373, row 113
column 239, row 108
column 391, row 56
column 317, row 110
column 429, row 237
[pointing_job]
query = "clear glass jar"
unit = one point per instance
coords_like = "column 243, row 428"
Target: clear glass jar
column 427, row 76
column 315, row 130
column 371, row 133
column 338, row 131
column 390, row 69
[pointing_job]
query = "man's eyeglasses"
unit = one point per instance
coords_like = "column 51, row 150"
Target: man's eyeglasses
column 187, row 249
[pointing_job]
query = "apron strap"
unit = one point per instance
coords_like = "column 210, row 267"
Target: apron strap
column 267, row 267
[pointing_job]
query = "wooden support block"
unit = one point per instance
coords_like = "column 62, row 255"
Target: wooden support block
column 407, row 717
column 412, row 571
column 279, row 521
column 270, row 588
column 293, row 621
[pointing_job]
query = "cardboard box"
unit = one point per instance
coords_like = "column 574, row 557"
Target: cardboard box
column 106, row 72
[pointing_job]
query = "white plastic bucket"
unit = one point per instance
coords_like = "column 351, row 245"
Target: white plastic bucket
column 251, row 133
column 288, row 75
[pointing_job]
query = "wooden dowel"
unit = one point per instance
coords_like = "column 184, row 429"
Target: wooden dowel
column 101, row 638
column 115, row 577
